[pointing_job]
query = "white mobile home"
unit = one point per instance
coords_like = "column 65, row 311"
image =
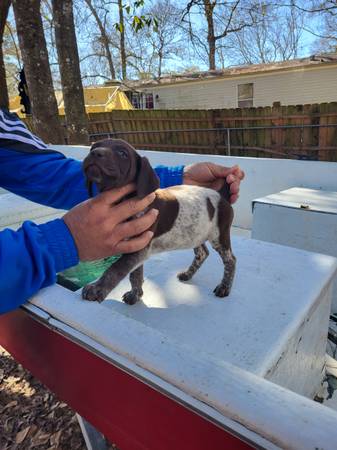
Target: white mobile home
column 299, row 81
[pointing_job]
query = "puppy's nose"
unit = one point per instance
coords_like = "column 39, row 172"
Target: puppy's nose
column 98, row 152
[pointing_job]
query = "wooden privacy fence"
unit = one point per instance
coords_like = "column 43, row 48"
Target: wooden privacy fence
column 301, row 131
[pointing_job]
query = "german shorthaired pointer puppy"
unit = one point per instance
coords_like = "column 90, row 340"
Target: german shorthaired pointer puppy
column 188, row 217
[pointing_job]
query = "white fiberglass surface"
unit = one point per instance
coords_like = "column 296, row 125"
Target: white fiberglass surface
column 274, row 289
column 310, row 199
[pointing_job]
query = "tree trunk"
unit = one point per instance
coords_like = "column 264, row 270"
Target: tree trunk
column 208, row 8
column 73, row 97
column 160, row 62
column 160, row 56
column 122, row 40
column 105, row 38
column 33, row 47
column 4, row 102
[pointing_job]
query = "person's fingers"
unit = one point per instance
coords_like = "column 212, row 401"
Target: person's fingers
column 219, row 171
column 113, row 195
column 135, row 244
column 137, row 226
column 238, row 172
column 225, row 172
column 131, row 207
column 230, row 178
column 235, row 187
column 234, row 198
column 235, row 177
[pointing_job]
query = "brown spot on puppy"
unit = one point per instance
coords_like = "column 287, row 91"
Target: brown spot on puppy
column 210, row 209
column 168, row 207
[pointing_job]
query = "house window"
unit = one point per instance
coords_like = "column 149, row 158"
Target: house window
column 245, row 95
column 140, row 100
column 149, row 101
column 136, row 100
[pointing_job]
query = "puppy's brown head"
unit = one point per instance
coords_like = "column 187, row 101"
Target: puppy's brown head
column 113, row 163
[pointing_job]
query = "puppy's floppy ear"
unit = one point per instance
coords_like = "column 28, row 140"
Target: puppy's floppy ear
column 146, row 180
column 89, row 185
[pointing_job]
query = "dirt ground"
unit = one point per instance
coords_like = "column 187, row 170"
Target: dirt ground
column 31, row 416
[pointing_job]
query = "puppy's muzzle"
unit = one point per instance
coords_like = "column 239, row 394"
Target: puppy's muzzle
column 93, row 173
column 99, row 170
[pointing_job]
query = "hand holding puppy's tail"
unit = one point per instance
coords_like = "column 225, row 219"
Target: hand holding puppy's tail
column 225, row 191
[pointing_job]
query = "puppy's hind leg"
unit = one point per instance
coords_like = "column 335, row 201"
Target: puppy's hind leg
column 201, row 254
column 221, row 242
column 136, row 280
column 223, row 289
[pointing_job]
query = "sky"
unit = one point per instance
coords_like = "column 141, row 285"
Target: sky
column 176, row 64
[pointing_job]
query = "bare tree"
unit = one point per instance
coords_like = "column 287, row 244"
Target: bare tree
column 4, row 102
column 104, row 35
column 314, row 6
column 73, row 97
column 324, row 23
column 35, row 58
column 141, row 59
column 167, row 42
column 106, row 26
column 276, row 36
column 49, row 33
column 150, row 51
column 223, row 18
column 121, row 26
column 12, row 58
column 326, row 35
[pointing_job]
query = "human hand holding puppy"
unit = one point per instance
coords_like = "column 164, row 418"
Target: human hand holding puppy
column 100, row 228
column 210, row 175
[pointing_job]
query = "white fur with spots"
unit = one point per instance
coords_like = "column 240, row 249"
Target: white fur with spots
column 192, row 226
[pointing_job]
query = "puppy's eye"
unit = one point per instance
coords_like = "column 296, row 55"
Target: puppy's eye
column 122, row 153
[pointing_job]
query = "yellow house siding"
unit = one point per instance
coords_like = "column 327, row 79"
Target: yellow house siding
column 314, row 85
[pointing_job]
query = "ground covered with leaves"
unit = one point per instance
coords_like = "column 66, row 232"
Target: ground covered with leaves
column 31, row 416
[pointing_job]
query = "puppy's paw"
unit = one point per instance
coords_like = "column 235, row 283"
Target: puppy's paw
column 94, row 292
column 131, row 297
column 184, row 276
column 222, row 290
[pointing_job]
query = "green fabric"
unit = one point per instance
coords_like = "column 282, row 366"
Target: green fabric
column 86, row 272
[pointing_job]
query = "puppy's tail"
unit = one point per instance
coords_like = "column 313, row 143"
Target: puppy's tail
column 225, row 191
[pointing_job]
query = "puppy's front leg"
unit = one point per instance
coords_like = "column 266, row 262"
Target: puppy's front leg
column 98, row 290
column 136, row 280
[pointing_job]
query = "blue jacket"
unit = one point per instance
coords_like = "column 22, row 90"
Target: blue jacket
column 31, row 256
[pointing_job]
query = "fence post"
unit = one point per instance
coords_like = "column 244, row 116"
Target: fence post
column 228, row 142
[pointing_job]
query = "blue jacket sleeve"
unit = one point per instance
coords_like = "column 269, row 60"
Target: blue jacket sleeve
column 31, row 256
column 54, row 180
column 170, row 176
column 30, row 259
